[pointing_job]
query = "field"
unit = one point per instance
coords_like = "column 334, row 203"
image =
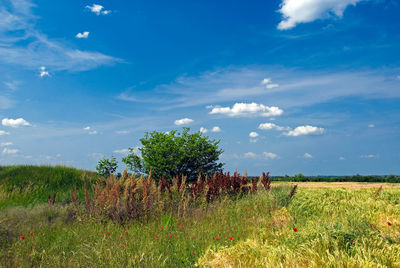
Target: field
column 342, row 225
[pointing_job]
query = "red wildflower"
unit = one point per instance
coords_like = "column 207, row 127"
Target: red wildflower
column 294, row 229
column 248, row 208
column 230, row 238
column 162, row 227
column 389, row 223
column 125, row 232
column 155, row 237
column 108, row 232
column 216, row 238
column 35, row 247
column 302, row 215
column 21, row 237
column 31, row 234
column 107, row 235
column 282, row 221
column 194, row 253
column 291, row 220
column 170, row 235
column 182, row 226
column 372, row 225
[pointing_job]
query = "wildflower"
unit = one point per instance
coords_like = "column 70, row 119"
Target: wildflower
column 162, row 227
column 291, row 220
column 125, row 232
column 108, row 233
column 35, row 247
column 231, row 238
column 281, row 221
column 372, row 225
column 193, row 237
column 182, row 226
column 194, row 253
column 389, row 223
column 21, row 237
column 302, row 215
column 170, row 235
column 31, row 234
column 294, row 229
column 248, row 208
column 216, row 238
column 155, row 237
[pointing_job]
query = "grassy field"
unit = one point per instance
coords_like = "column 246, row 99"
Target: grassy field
column 318, row 227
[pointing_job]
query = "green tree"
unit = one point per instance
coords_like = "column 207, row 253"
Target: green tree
column 106, row 167
column 132, row 161
column 171, row 154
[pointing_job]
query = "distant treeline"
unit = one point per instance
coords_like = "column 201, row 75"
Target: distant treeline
column 354, row 178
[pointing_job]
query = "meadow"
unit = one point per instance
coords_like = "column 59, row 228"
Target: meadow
column 259, row 224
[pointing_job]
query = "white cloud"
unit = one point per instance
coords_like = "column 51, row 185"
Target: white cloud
column 253, row 134
column 304, row 130
column 272, row 86
column 252, row 140
column 248, row 109
column 82, row 35
column 269, row 126
column 15, row 122
column 13, row 85
column 307, row 155
column 268, row 84
column 10, row 151
column 368, row 156
column 43, row 72
column 371, row 125
column 250, row 155
column 203, row 130
column 121, row 151
column 342, row 158
column 2, row 132
column 302, row 11
column 95, row 8
column 3, row 144
column 87, row 128
column 216, row 129
column 94, row 132
column 122, row 131
column 106, row 12
column 183, row 121
column 270, row 155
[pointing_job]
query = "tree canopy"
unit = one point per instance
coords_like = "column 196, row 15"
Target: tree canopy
column 171, row 154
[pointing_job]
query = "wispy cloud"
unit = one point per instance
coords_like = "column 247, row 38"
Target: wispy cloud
column 6, row 144
column 270, row 155
column 10, row 151
column 2, row 133
column 32, row 48
column 307, row 155
column 369, row 156
column 121, row 151
column 295, row 11
column 13, row 85
column 250, row 155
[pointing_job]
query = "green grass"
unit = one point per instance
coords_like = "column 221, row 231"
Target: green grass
column 333, row 230
column 22, row 185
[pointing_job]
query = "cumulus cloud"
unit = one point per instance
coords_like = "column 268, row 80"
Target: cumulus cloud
column 270, row 155
column 297, row 11
column 269, row 126
column 15, row 122
column 216, row 129
column 203, row 130
column 250, row 155
column 2, row 132
column 371, row 125
column 86, row 128
column 183, row 121
column 121, row 151
column 307, row 155
column 304, row 130
column 3, row 144
column 253, row 134
column 82, row 35
column 10, row 151
column 43, row 72
column 98, row 9
column 248, row 110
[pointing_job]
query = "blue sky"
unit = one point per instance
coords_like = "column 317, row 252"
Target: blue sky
column 288, row 86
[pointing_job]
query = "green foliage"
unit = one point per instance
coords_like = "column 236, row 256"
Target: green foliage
column 106, row 166
column 355, row 178
column 29, row 185
column 172, row 154
column 133, row 161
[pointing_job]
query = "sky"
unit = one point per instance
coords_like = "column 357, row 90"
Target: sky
column 287, row 86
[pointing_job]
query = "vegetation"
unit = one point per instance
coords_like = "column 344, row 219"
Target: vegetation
column 106, row 166
column 171, row 154
column 30, row 185
column 356, row 178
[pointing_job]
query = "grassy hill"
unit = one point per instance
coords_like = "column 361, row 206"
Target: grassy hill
column 24, row 185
